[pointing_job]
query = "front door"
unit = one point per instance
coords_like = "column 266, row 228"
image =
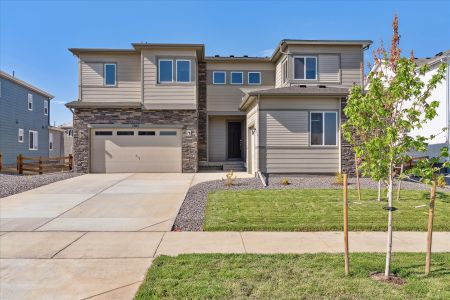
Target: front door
column 234, row 140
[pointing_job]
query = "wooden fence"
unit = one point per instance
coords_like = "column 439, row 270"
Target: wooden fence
column 44, row 164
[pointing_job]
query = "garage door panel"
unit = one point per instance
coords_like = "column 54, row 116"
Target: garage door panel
column 136, row 153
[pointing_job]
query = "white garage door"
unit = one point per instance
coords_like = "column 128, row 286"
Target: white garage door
column 135, row 150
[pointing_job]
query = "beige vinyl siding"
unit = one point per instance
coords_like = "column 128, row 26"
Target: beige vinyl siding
column 217, row 136
column 351, row 58
column 329, row 68
column 168, row 95
column 128, row 87
column 284, row 136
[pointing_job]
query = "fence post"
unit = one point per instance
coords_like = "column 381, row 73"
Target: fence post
column 70, row 162
column 40, row 165
column 430, row 228
column 20, row 164
column 346, row 258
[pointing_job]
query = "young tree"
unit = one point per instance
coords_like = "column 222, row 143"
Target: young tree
column 380, row 118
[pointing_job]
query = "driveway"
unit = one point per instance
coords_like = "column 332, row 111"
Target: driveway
column 91, row 236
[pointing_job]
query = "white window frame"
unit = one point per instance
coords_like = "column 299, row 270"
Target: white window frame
column 248, row 78
column 35, row 140
column 231, row 78
column 46, row 107
column 50, row 141
column 284, row 71
column 159, row 70
column 20, row 135
column 176, row 70
column 30, row 102
column 323, row 128
column 115, row 74
column 304, row 67
column 225, row 77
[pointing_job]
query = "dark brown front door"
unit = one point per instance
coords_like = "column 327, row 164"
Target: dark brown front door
column 234, row 140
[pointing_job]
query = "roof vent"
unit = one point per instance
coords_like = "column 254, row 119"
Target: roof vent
column 439, row 54
column 231, row 55
column 245, row 55
column 217, row 55
column 302, row 85
column 322, row 86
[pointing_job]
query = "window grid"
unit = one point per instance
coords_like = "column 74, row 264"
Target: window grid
column 323, row 113
column 305, row 63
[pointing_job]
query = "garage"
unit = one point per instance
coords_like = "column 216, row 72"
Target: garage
column 117, row 150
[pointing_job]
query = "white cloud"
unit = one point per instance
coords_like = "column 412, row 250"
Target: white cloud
column 267, row 52
column 59, row 102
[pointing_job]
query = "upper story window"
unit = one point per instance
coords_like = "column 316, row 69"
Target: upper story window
column 30, row 102
column 284, row 70
column 305, row 67
column 219, row 77
column 165, row 68
column 323, row 128
column 110, row 74
column 254, row 78
column 183, row 70
column 237, row 77
column 46, row 107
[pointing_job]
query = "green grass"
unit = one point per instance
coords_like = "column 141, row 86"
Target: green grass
column 319, row 210
column 307, row 276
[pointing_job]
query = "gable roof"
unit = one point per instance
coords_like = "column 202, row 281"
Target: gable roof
column 25, row 84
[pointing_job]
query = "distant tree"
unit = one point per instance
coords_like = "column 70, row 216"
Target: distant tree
column 380, row 118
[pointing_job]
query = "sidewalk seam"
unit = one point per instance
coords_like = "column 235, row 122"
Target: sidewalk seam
column 111, row 290
column 242, row 240
column 68, row 245
column 159, row 244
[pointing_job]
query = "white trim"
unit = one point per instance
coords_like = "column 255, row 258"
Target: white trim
column 46, row 107
column 323, row 128
column 224, row 77
column 35, row 140
column 20, row 135
column 115, row 74
column 284, row 71
column 50, row 141
column 231, row 78
column 176, row 70
column 159, row 70
column 304, row 66
column 248, row 78
column 30, row 101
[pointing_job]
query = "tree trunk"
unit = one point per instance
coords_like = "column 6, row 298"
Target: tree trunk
column 379, row 190
column 387, row 269
column 430, row 228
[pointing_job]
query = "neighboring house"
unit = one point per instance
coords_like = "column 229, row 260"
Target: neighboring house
column 56, row 141
column 67, row 138
column 442, row 94
column 168, row 108
column 24, row 119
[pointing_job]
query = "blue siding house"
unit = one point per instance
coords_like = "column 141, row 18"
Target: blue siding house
column 24, row 119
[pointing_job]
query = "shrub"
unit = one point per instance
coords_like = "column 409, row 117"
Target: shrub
column 229, row 180
column 339, row 178
column 285, row 181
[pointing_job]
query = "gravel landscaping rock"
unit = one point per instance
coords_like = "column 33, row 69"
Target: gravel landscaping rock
column 192, row 211
column 14, row 184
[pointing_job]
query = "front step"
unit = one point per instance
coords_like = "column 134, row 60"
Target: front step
column 235, row 166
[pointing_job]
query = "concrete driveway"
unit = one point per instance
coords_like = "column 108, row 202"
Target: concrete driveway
column 91, row 236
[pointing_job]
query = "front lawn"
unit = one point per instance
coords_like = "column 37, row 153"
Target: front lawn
column 307, row 276
column 319, row 210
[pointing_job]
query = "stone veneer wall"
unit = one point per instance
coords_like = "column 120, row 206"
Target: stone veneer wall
column 347, row 153
column 202, row 113
column 85, row 116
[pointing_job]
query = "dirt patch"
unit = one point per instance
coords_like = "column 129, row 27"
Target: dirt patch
column 392, row 279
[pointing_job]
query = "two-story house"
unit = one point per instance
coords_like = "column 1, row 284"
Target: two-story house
column 168, row 108
column 24, row 119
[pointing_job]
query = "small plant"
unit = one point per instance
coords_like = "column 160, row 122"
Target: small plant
column 230, row 177
column 339, row 178
column 440, row 181
column 285, row 181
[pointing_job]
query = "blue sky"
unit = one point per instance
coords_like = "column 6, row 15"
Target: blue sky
column 35, row 35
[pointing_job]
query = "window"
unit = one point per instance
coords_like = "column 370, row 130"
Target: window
column 237, row 78
column 284, row 70
column 254, row 78
column 305, row 67
column 103, row 133
column 110, row 75
column 219, row 77
column 46, row 107
column 30, row 102
column 183, row 70
column 146, row 133
column 69, row 132
column 167, row 133
column 165, row 68
column 323, row 127
column 125, row 132
column 50, row 141
column 33, row 140
column 20, row 136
